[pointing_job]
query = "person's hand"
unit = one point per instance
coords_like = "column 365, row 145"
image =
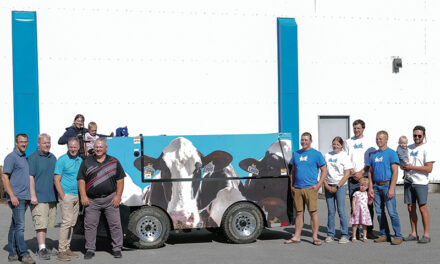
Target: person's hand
column 390, row 194
column 34, row 200
column 334, row 190
column 14, row 201
column 354, row 213
column 116, row 201
column 85, row 201
column 315, row 187
column 61, row 195
column 371, row 193
column 358, row 175
column 407, row 167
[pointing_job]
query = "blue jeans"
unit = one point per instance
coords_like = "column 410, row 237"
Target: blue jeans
column 353, row 186
column 16, row 230
column 339, row 198
column 380, row 201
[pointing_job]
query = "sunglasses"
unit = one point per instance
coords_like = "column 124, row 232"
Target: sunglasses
column 417, row 136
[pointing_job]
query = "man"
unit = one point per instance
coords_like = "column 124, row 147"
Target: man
column 43, row 197
column 359, row 149
column 382, row 175
column 15, row 179
column 306, row 164
column 66, row 171
column 419, row 166
column 101, row 182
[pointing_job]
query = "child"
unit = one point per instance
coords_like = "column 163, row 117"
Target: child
column 361, row 215
column 91, row 136
column 402, row 152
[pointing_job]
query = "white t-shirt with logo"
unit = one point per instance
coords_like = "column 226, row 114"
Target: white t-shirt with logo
column 336, row 164
column 359, row 150
column 418, row 156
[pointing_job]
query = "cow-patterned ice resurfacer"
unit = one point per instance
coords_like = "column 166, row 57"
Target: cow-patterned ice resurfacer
column 231, row 184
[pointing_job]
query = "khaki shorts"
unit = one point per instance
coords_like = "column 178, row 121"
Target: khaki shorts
column 44, row 215
column 306, row 196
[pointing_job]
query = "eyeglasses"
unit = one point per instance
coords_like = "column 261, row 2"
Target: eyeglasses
column 417, row 136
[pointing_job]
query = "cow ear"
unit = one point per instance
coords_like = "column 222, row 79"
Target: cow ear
column 220, row 159
column 250, row 165
column 148, row 161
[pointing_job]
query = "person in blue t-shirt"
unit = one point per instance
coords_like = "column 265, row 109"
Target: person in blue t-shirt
column 306, row 164
column 384, row 164
column 66, row 171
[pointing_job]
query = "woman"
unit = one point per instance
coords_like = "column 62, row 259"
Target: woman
column 338, row 166
column 76, row 129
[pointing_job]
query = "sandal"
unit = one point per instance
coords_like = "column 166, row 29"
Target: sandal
column 292, row 241
column 354, row 240
column 365, row 240
column 317, row 242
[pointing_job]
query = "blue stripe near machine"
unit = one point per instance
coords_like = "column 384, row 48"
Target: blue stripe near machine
column 25, row 71
column 288, row 78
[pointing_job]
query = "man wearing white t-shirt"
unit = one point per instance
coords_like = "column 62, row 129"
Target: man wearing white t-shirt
column 359, row 149
column 419, row 166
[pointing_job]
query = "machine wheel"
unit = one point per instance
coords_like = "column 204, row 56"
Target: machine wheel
column 150, row 227
column 242, row 223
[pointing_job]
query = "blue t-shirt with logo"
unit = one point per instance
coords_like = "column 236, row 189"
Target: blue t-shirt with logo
column 381, row 161
column 306, row 164
column 68, row 166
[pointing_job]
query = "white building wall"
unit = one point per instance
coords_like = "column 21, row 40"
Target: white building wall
column 205, row 67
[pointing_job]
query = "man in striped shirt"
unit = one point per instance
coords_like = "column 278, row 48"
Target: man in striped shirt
column 100, row 183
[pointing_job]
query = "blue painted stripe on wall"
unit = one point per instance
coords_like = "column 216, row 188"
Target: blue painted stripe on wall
column 25, row 76
column 288, row 110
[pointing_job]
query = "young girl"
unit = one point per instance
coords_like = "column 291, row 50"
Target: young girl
column 361, row 215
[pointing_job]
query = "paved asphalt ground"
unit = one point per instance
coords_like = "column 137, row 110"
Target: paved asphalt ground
column 203, row 247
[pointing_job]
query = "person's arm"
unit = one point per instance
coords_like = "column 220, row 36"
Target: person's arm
column 57, row 183
column 82, row 192
column 8, row 189
column 394, row 169
column 426, row 168
column 353, row 205
column 292, row 178
column 119, row 189
column 360, row 174
column 34, row 199
column 323, row 176
column 344, row 179
column 370, row 182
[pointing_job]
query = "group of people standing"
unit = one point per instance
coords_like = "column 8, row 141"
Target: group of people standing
column 41, row 181
column 370, row 173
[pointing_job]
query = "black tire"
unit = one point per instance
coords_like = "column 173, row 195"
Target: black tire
column 242, row 223
column 149, row 227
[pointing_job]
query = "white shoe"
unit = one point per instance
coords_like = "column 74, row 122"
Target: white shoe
column 329, row 240
column 343, row 240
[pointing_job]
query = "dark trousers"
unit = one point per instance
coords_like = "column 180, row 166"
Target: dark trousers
column 353, row 186
column 91, row 222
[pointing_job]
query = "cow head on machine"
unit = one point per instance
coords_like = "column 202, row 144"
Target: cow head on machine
column 180, row 166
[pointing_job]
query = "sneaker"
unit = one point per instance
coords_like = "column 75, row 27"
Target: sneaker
column 53, row 252
column 410, row 237
column 44, row 254
column 89, row 255
column 27, row 260
column 117, row 254
column 381, row 239
column 62, row 255
column 329, row 239
column 343, row 240
column 13, row 258
column 424, row 240
column 71, row 254
column 397, row 241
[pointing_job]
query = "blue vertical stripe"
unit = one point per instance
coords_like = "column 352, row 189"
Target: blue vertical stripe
column 25, row 71
column 288, row 78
